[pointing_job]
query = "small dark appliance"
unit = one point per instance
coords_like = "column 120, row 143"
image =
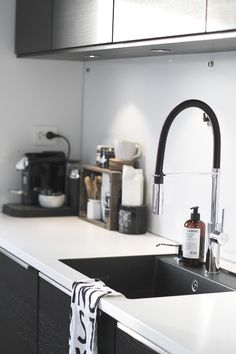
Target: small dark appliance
column 46, row 170
column 43, row 171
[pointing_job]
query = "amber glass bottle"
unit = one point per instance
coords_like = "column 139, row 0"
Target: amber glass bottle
column 194, row 240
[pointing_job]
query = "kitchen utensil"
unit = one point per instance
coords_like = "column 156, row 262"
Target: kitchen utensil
column 95, row 188
column 54, row 200
column 88, row 185
column 94, row 209
column 126, row 150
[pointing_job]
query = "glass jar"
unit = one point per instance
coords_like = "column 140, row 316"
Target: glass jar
column 106, row 153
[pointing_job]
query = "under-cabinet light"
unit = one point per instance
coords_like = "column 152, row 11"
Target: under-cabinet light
column 160, row 50
column 92, row 56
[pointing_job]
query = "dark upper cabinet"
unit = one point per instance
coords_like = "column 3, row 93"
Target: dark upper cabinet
column 142, row 19
column 221, row 15
column 33, row 26
column 45, row 26
column 81, row 23
column 18, row 307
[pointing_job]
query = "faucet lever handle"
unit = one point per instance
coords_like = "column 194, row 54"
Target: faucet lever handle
column 221, row 238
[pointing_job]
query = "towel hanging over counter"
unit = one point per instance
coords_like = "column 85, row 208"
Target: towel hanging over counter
column 84, row 301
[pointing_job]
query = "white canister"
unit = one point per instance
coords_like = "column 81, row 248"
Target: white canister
column 94, row 209
column 132, row 186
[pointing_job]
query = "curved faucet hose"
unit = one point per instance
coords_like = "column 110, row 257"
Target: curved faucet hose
column 158, row 178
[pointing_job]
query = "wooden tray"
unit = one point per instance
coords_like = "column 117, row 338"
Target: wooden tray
column 115, row 192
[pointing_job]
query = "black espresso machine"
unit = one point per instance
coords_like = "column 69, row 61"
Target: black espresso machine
column 40, row 172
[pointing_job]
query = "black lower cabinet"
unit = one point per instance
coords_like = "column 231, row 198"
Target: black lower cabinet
column 35, row 316
column 54, row 319
column 54, row 322
column 125, row 344
column 106, row 333
column 18, row 307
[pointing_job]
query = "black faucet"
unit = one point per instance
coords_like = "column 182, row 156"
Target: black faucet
column 215, row 231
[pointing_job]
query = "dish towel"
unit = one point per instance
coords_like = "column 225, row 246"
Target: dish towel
column 84, row 301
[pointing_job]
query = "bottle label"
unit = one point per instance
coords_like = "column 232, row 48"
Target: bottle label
column 191, row 243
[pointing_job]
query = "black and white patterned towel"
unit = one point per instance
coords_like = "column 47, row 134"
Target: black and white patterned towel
column 84, row 301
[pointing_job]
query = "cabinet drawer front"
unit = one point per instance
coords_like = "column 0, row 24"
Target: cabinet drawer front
column 221, row 15
column 143, row 19
column 54, row 319
column 81, row 22
column 129, row 342
column 18, row 307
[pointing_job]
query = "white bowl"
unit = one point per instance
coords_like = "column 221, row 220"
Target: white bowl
column 51, row 201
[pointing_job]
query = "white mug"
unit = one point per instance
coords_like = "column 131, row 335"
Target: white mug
column 126, row 150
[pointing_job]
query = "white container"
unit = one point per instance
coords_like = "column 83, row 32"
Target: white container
column 126, row 150
column 94, row 209
column 51, row 201
column 105, row 191
column 132, row 186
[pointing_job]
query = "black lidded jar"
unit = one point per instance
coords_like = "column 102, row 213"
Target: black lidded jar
column 132, row 219
column 106, row 152
column 194, row 240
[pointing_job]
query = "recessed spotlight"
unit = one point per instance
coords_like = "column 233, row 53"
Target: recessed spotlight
column 160, row 50
column 92, row 56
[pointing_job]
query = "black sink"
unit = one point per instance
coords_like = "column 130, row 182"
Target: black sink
column 152, row 276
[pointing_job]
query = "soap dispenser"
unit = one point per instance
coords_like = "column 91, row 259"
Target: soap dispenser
column 194, row 240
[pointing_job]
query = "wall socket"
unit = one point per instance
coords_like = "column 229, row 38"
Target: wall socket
column 39, row 135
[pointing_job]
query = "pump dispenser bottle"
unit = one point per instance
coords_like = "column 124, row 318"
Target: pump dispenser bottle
column 194, row 240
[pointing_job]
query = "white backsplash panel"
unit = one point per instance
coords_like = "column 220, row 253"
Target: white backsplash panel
column 33, row 92
column 131, row 99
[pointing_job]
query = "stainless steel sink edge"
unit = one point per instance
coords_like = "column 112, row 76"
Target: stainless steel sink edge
column 201, row 271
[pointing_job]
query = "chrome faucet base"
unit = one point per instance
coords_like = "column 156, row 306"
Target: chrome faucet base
column 213, row 258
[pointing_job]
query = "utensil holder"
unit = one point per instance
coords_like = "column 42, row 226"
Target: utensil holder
column 110, row 220
column 94, row 209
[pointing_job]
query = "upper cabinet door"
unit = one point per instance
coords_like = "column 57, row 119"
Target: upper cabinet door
column 33, row 26
column 81, row 23
column 143, row 19
column 221, row 15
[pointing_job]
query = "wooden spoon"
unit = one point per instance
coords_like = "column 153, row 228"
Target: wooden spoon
column 88, row 185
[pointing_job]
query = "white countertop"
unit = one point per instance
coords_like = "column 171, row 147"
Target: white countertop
column 184, row 324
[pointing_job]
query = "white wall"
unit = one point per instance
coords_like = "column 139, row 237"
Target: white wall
column 33, row 92
column 127, row 99
column 131, row 98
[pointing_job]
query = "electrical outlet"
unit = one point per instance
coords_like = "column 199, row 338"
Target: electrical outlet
column 39, row 135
